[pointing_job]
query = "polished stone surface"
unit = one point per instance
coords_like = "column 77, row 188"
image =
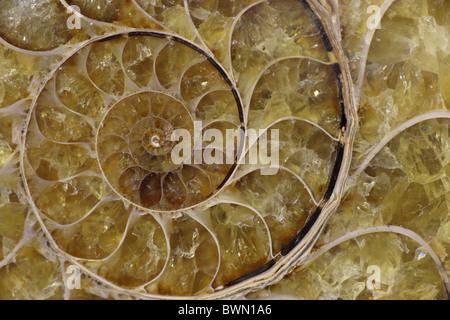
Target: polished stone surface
column 87, row 181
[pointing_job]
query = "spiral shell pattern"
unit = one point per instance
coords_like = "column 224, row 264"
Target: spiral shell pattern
column 97, row 150
column 220, row 149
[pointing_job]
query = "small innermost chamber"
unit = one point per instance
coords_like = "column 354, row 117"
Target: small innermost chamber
column 157, row 142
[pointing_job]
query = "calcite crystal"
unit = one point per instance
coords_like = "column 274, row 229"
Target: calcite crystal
column 328, row 125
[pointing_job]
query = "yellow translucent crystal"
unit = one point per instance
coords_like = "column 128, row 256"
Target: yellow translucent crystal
column 88, row 183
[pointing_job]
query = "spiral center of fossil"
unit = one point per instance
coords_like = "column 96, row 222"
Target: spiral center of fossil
column 157, row 142
column 161, row 148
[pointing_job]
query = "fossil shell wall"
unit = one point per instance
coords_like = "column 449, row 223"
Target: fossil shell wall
column 93, row 205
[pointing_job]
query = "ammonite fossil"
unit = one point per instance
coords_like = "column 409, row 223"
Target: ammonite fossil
column 218, row 149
